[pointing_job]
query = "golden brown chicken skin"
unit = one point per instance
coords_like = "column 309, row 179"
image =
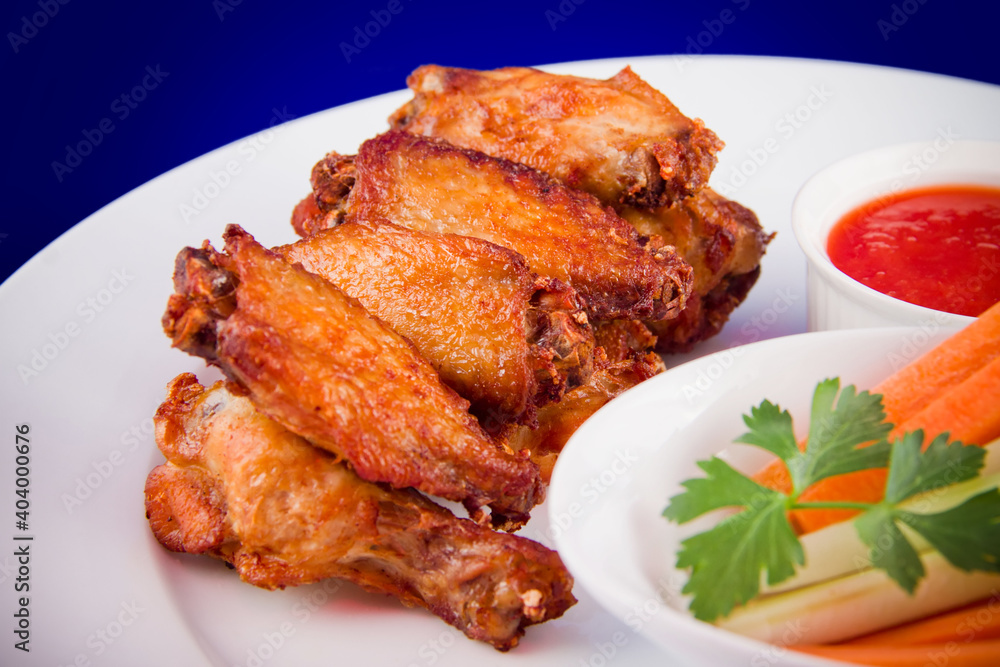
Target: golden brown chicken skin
column 558, row 421
column 501, row 336
column 622, row 340
column 240, row 487
column 724, row 243
column 618, row 139
column 722, row 240
column 429, row 185
column 314, row 360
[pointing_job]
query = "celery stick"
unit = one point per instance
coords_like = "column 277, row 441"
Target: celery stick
column 854, row 605
column 836, row 551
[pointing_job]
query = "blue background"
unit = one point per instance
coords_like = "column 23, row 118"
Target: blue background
column 227, row 66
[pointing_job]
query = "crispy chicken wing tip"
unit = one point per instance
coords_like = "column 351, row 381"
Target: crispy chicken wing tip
column 204, row 295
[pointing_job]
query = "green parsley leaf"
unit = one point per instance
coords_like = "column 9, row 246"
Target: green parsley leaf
column 967, row 535
column 755, row 540
column 835, row 434
column 957, row 533
column 847, row 433
column 942, row 464
column 723, row 487
column 837, row 431
column 771, row 429
column 889, row 549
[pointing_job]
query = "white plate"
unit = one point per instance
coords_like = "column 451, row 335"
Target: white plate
column 619, row 469
column 103, row 591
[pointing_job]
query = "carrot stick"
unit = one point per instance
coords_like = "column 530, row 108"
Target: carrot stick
column 976, row 623
column 969, row 411
column 953, row 654
column 913, row 390
column 914, row 386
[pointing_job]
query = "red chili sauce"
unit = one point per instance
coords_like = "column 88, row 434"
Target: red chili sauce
column 937, row 247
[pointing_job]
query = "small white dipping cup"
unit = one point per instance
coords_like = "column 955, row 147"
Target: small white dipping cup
column 837, row 301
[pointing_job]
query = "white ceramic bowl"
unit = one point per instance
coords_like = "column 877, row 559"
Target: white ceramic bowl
column 837, row 301
column 619, row 469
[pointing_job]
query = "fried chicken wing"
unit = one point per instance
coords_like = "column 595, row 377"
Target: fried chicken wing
column 619, row 139
column 499, row 335
column 240, row 487
column 558, row 421
column 314, row 360
column 539, row 119
column 724, row 243
column 429, row 185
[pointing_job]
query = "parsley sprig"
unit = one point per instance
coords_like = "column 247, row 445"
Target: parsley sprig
column 847, row 433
